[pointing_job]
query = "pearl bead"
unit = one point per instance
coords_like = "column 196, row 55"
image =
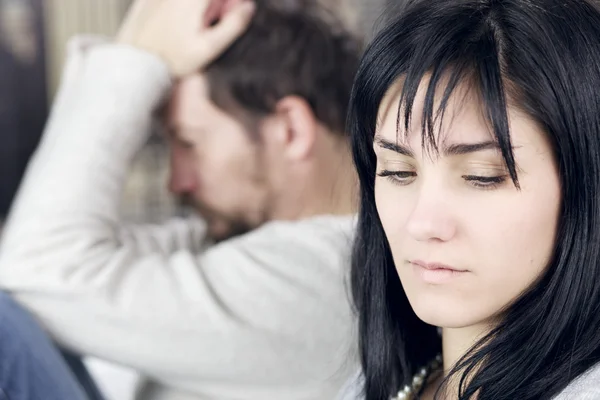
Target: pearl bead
column 401, row 396
column 418, row 380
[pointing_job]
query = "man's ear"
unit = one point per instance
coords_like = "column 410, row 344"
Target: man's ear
column 297, row 127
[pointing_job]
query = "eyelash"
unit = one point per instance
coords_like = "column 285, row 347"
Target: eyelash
column 396, row 177
column 485, row 182
column 480, row 182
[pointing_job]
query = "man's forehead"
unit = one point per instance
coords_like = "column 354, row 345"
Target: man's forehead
column 189, row 100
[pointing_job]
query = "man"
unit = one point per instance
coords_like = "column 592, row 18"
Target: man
column 257, row 146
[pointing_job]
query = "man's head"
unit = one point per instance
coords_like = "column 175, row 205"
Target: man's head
column 260, row 133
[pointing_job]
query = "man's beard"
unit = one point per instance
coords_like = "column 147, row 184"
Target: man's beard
column 233, row 226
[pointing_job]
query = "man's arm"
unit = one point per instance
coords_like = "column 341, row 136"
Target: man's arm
column 101, row 117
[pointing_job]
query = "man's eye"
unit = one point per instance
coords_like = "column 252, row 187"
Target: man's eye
column 185, row 144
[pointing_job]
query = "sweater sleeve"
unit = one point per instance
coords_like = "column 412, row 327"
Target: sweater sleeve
column 101, row 118
column 584, row 387
column 352, row 389
column 145, row 298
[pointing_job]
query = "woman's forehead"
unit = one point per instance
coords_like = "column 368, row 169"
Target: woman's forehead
column 462, row 120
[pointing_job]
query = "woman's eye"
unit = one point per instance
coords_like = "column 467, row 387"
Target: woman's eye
column 485, row 182
column 398, row 177
column 480, row 182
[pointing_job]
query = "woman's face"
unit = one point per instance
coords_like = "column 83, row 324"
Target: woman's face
column 466, row 242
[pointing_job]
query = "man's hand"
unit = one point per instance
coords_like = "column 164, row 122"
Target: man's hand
column 186, row 34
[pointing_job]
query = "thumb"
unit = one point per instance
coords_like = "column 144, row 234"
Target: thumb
column 230, row 27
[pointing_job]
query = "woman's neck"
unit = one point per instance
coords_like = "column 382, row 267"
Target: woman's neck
column 456, row 342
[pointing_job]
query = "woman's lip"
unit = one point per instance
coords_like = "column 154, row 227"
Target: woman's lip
column 435, row 273
column 435, row 266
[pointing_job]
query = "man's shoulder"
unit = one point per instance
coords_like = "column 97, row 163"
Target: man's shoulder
column 312, row 243
column 325, row 229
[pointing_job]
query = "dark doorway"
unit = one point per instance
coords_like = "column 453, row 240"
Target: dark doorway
column 23, row 91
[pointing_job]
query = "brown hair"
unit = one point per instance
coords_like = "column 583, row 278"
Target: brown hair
column 291, row 48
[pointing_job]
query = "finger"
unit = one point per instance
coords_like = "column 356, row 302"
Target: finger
column 216, row 9
column 135, row 14
column 212, row 13
column 231, row 26
column 139, row 8
column 229, row 5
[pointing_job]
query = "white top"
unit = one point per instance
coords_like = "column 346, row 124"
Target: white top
column 263, row 316
column 584, row 387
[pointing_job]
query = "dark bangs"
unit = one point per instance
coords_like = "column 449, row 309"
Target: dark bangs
column 446, row 55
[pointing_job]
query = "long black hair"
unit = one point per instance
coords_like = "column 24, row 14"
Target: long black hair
column 543, row 57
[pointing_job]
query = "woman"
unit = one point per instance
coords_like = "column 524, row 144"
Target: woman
column 476, row 134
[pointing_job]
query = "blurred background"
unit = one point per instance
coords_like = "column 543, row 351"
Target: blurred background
column 33, row 39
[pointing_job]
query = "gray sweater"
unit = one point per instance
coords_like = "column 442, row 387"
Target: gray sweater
column 585, row 387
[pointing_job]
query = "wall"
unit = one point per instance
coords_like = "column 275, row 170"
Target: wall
column 65, row 18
